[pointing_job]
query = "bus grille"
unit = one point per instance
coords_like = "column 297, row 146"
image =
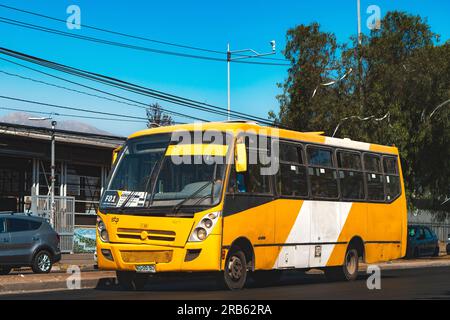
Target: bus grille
column 147, row 256
column 157, row 235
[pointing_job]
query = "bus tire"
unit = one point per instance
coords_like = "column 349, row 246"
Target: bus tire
column 235, row 273
column 131, row 281
column 348, row 271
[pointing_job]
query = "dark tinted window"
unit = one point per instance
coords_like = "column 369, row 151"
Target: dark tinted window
column 428, row 233
column 291, row 178
column 323, row 182
column 375, row 187
column 349, row 160
column 17, row 225
column 2, row 225
column 34, row 225
column 393, row 188
column 372, row 163
column 291, row 153
column 320, row 157
column 390, row 165
column 352, row 185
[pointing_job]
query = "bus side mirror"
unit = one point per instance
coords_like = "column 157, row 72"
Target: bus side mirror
column 241, row 157
column 115, row 154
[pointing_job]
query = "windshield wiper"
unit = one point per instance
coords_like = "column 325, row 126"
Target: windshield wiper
column 191, row 196
column 128, row 198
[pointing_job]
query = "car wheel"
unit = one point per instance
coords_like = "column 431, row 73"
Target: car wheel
column 42, row 262
column 133, row 281
column 235, row 274
column 4, row 270
column 348, row 271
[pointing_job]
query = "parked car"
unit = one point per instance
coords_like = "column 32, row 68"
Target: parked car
column 422, row 241
column 448, row 244
column 27, row 241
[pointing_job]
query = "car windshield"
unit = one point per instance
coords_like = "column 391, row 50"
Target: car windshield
column 146, row 177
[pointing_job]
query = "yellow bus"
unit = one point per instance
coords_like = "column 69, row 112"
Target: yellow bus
column 249, row 201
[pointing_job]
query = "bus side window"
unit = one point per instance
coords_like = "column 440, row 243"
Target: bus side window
column 351, row 175
column 291, row 179
column 392, row 178
column 321, row 172
column 375, row 183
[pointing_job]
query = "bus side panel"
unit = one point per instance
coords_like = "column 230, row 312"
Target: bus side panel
column 354, row 225
column 385, row 231
column 246, row 217
column 292, row 227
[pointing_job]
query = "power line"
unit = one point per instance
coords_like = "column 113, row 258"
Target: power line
column 126, row 34
column 71, row 108
column 135, row 104
column 131, row 87
column 120, row 44
column 70, row 115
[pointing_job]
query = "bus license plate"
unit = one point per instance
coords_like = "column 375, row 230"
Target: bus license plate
column 146, row 268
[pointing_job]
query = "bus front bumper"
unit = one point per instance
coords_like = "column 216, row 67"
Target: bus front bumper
column 194, row 256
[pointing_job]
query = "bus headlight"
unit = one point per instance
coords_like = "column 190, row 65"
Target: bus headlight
column 102, row 232
column 201, row 234
column 203, row 229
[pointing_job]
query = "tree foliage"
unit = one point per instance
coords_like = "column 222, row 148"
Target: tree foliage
column 157, row 118
column 400, row 74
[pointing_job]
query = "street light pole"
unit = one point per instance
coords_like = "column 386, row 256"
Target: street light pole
column 254, row 54
column 52, row 168
column 52, row 179
column 228, row 80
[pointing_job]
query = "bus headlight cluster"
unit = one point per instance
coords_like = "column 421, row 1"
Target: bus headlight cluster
column 101, row 228
column 204, row 227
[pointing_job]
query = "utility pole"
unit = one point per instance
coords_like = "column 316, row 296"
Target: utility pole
column 52, row 193
column 360, row 69
column 52, row 168
column 253, row 54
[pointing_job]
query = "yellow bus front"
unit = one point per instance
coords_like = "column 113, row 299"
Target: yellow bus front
column 162, row 208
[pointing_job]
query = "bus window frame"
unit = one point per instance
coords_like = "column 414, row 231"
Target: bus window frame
column 232, row 170
column 380, row 156
column 333, row 167
column 359, row 153
column 397, row 158
column 308, row 196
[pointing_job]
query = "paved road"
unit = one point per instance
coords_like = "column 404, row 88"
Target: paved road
column 425, row 283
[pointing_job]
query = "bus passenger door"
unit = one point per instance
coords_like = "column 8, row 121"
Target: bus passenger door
column 292, row 233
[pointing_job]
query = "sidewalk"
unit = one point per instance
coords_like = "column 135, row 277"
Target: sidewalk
column 23, row 280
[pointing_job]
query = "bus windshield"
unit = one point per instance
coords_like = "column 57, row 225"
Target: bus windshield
column 145, row 177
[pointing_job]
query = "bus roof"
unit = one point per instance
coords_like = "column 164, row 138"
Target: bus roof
column 312, row 137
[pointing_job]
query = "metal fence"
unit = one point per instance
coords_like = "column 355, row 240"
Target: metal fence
column 64, row 219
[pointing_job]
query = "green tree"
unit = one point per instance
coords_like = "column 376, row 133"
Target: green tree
column 405, row 75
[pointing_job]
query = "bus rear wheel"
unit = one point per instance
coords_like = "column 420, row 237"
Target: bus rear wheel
column 348, row 271
column 235, row 273
column 131, row 280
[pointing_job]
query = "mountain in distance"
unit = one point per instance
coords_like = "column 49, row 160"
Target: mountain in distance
column 22, row 118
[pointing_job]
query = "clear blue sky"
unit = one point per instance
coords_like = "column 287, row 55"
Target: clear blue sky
column 202, row 23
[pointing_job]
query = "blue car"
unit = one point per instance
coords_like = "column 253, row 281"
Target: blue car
column 422, row 242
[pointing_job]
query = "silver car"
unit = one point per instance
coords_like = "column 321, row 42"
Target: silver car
column 27, row 241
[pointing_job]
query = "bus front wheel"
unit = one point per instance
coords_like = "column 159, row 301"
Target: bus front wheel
column 235, row 273
column 131, row 280
column 348, row 271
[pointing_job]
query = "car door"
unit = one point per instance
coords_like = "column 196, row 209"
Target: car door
column 4, row 242
column 421, row 241
column 430, row 241
column 21, row 240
